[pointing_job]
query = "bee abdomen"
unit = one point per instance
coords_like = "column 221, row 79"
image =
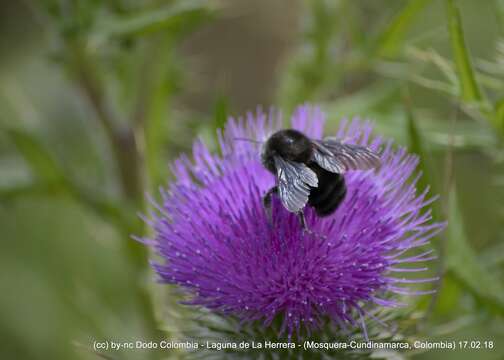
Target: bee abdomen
column 332, row 203
column 331, row 191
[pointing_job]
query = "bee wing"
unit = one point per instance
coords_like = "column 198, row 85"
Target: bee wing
column 294, row 182
column 336, row 157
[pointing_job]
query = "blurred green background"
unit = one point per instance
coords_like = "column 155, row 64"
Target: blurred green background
column 97, row 96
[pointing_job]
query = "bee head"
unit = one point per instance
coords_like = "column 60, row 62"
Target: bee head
column 289, row 144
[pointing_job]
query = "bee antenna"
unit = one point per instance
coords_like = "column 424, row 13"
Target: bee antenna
column 250, row 140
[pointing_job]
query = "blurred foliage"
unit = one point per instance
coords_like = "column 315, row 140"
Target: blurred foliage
column 95, row 99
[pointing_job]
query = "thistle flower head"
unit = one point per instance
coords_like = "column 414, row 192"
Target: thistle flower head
column 217, row 244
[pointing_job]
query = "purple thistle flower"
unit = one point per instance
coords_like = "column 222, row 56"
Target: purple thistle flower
column 217, row 244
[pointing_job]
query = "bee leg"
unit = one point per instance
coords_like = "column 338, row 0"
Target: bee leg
column 302, row 221
column 305, row 228
column 267, row 198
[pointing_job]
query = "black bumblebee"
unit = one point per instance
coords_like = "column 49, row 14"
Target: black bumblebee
column 310, row 171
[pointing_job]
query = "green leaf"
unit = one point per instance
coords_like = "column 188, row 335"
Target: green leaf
column 51, row 178
column 9, row 193
column 158, row 116
column 500, row 12
column 499, row 115
column 221, row 111
column 182, row 15
column 417, row 146
column 37, row 157
column 363, row 101
column 414, row 138
column 462, row 262
column 468, row 87
column 432, row 56
column 117, row 213
column 494, row 256
column 391, row 40
column 313, row 70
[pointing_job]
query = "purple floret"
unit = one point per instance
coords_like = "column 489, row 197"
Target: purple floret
column 217, row 244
